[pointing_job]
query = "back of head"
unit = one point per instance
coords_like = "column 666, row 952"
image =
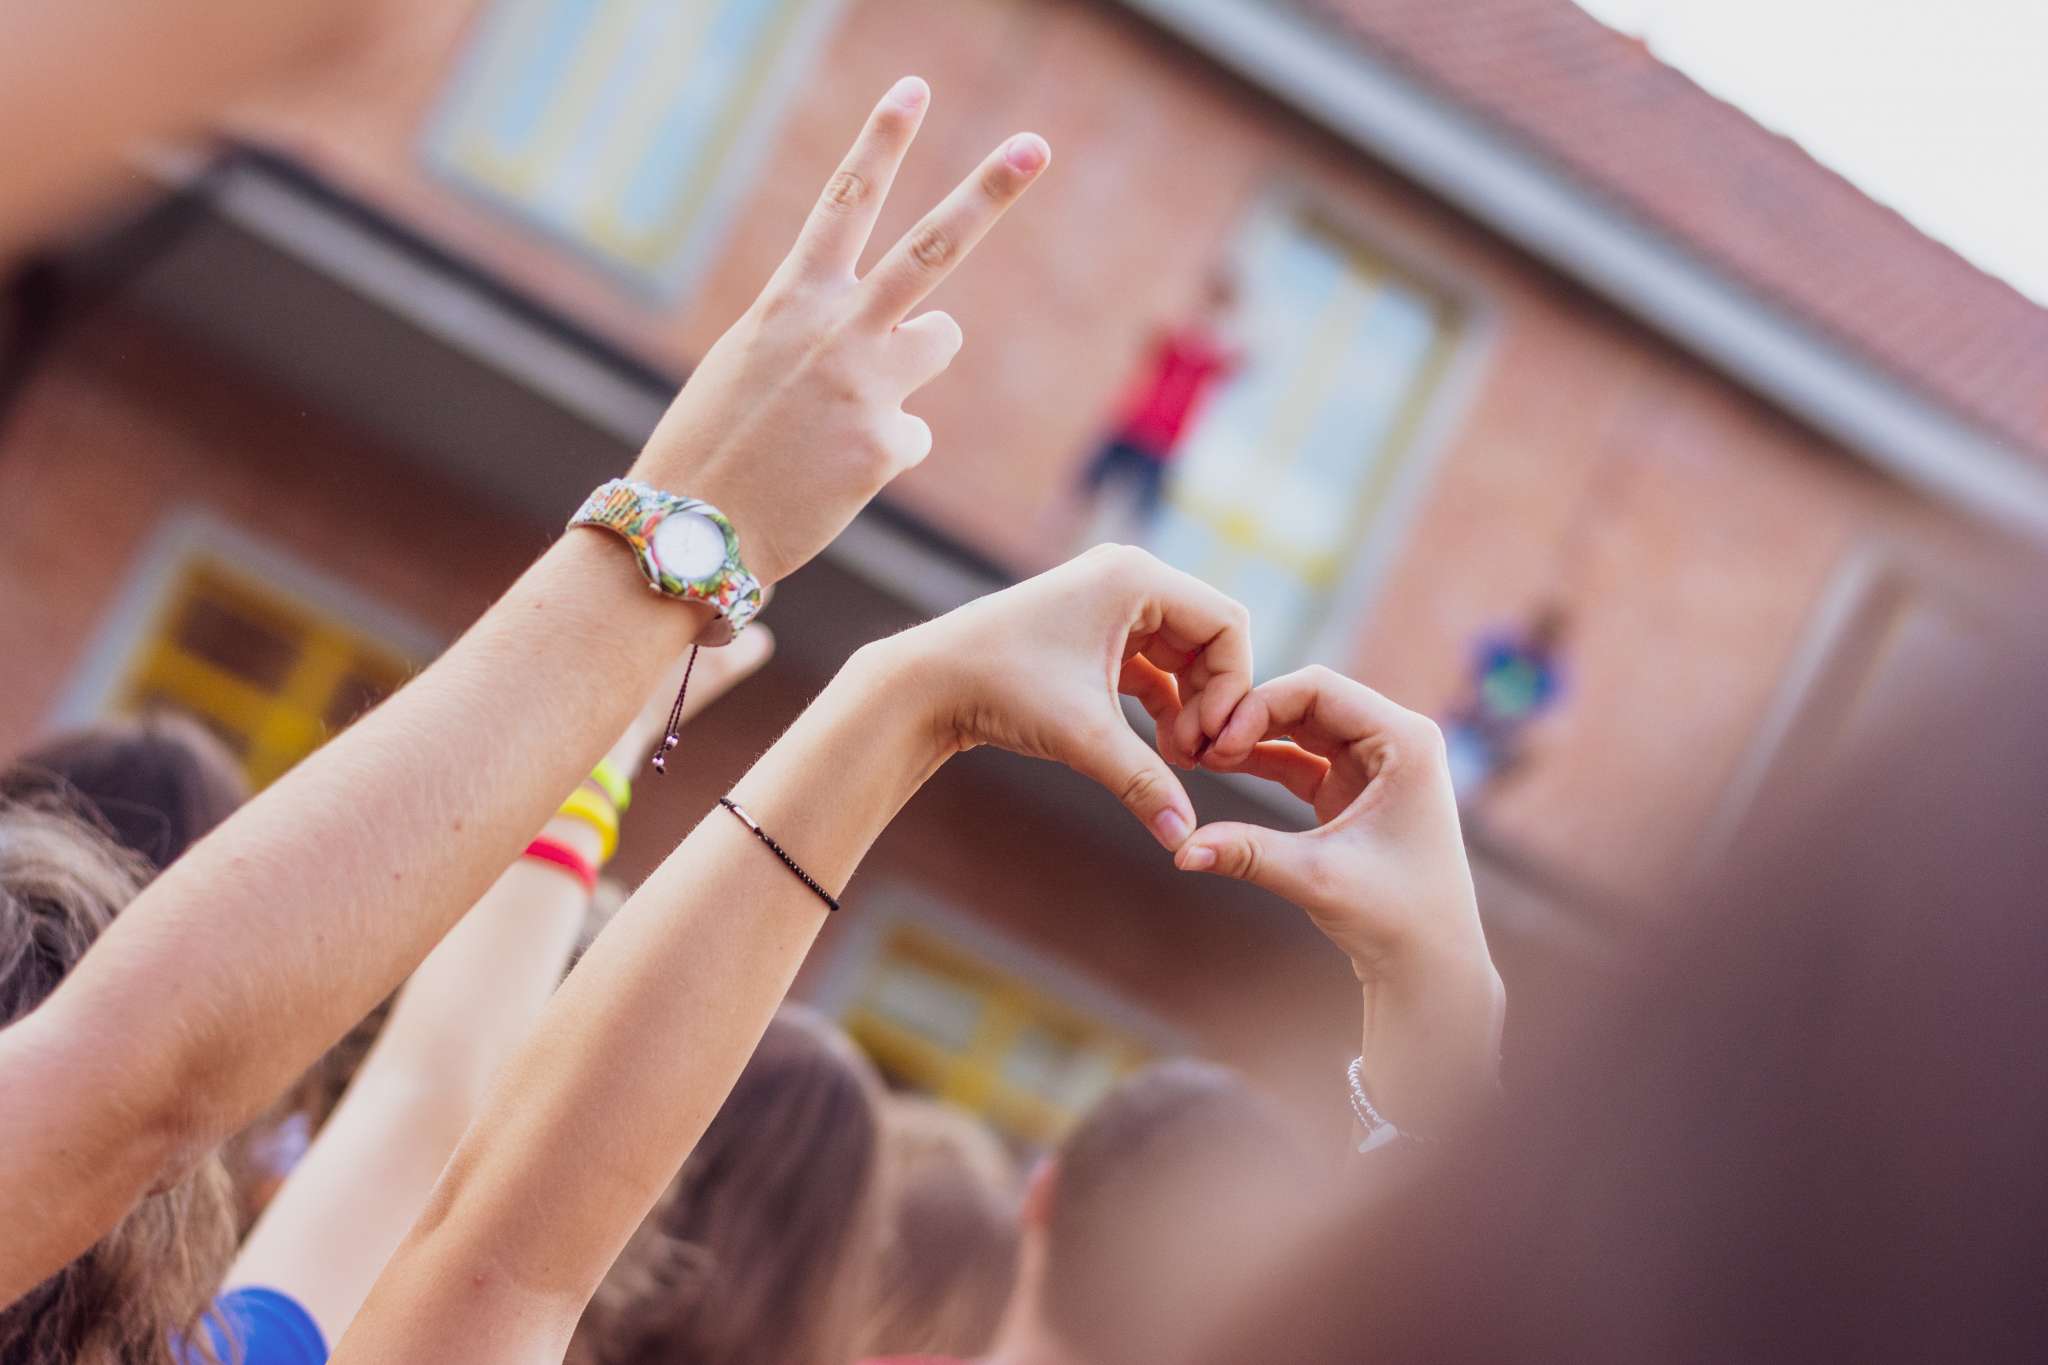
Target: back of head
column 147, row 1281
column 156, row 784
column 949, row 1241
column 1163, row 1194
column 1808, row 1124
column 755, row 1254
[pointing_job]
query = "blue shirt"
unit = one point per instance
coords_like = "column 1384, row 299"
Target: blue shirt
column 270, row 1328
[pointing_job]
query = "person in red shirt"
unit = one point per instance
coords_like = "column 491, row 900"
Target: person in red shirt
column 1183, row 366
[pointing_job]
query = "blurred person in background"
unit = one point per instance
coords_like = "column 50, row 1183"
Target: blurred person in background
column 1141, row 1225
column 587, row 1124
column 949, row 1237
column 1807, row 1123
column 297, row 1280
column 150, row 1279
column 159, row 68
column 1183, row 363
column 264, row 1154
column 1145, row 1230
column 1517, row 679
column 761, row 1249
column 348, row 1198
column 156, row 783
column 384, row 837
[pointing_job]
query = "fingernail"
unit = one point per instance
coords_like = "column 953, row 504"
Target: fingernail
column 1200, row 858
column 1027, row 152
column 910, row 92
column 1171, row 827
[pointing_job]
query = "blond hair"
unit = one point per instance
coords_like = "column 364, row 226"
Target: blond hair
column 147, row 1283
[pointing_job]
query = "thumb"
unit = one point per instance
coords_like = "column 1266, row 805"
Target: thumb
column 1271, row 858
column 1139, row 777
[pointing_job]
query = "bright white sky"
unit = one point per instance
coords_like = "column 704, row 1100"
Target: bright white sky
column 1938, row 108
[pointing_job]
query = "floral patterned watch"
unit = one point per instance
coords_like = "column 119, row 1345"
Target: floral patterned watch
column 687, row 549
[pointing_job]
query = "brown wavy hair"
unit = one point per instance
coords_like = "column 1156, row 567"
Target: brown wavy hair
column 157, row 783
column 758, row 1252
column 148, row 1282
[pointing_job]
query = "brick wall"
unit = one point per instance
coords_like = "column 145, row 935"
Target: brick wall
column 125, row 426
column 1690, row 527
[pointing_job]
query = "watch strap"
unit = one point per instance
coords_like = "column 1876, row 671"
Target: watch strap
column 633, row 510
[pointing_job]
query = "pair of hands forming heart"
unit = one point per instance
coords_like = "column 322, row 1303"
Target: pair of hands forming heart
column 1036, row 669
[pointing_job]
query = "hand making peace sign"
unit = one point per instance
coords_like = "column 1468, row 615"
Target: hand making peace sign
column 795, row 417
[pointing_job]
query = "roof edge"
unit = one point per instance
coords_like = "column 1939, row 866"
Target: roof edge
column 1380, row 109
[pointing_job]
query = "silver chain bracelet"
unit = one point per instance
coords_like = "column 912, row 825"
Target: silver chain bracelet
column 1374, row 1129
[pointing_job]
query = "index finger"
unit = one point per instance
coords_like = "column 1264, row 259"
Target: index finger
column 1320, row 709
column 1213, row 633
column 837, row 231
column 928, row 252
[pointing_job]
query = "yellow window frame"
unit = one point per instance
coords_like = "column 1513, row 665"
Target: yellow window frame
column 273, row 727
column 972, row 1077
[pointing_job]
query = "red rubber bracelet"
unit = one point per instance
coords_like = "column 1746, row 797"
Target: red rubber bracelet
column 561, row 855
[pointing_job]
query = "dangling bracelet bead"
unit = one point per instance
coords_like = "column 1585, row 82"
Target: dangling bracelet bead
column 675, row 717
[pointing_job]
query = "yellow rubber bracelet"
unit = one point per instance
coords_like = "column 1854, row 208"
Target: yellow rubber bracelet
column 593, row 810
column 613, row 783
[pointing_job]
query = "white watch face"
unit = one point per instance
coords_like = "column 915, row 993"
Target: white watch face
column 688, row 545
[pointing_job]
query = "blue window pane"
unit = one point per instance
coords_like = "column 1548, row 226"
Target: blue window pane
column 626, row 128
column 1285, row 473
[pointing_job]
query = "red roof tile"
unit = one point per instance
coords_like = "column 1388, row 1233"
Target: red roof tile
column 1741, row 198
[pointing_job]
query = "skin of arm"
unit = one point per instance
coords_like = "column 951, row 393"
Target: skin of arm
column 256, row 950
column 457, row 1019
column 1384, row 876
column 639, row 1048
column 83, row 82
column 235, row 969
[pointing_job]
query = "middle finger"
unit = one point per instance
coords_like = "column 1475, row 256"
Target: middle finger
column 928, row 252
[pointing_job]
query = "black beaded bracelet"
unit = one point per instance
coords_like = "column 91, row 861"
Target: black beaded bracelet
column 831, row 901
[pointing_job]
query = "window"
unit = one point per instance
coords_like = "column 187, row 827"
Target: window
column 937, row 1016
column 625, row 127
column 1299, row 458
column 1893, row 630
column 267, row 654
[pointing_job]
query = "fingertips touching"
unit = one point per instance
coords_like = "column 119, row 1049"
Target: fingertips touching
column 1205, row 714
column 1241, row 732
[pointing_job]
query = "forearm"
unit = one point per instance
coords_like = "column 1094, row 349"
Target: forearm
column 466, row 1009
column 271, row 937
column 1432, row 1039
column 638, row 1050
column 83, row 81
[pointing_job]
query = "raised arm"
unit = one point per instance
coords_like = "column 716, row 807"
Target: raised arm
column 262, row 945
column 83, row 82
column 348, row 1203
column 1383, row 875
column 635, row 1054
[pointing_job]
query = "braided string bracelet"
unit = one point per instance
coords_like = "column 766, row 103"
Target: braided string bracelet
column 831, row 901
column 673, row 735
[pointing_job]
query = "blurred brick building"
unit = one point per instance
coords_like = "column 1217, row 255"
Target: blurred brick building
column 1546, row 325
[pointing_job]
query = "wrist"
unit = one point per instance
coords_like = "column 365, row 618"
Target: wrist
column 898, row 673
column 604, row 597
column 1431, row 1043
